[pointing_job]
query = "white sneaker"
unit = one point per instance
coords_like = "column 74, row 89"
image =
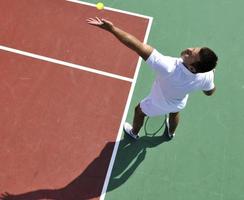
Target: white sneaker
column 167, row 126
column 128, row 131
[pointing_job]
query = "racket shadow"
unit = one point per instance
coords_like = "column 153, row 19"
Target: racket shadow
column 130, row 155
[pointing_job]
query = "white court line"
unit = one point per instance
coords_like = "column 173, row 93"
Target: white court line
column 116, row 146
column 111, row 9
column 119, row 135
column 108, row 175
column 67, row 64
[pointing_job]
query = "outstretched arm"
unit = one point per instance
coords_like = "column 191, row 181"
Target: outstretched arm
column 127, row 39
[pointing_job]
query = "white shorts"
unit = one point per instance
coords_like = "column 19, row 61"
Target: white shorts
column 153, row 109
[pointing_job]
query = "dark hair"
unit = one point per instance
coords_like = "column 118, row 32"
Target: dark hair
column 208, row 60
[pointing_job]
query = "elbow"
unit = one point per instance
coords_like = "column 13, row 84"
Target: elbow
column 210, row 92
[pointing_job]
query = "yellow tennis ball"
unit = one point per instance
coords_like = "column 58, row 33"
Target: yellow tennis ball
column 100, row 6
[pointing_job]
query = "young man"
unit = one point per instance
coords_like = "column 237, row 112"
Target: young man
column 175, row 78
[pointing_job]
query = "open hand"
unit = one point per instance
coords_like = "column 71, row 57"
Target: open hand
column 102, row 23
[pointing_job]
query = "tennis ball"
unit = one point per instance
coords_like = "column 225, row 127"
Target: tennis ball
column 100, row 6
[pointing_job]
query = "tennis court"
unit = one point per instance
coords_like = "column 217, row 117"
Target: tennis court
column 67, row 88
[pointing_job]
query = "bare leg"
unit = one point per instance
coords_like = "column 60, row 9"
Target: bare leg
column 138, row 119
column 174, row 119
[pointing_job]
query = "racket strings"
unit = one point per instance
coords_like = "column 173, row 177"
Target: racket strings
column 154, row 132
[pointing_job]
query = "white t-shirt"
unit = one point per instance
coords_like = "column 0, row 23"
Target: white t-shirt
column 174, row 81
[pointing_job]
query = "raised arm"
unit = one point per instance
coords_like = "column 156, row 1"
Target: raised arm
column 127, row 39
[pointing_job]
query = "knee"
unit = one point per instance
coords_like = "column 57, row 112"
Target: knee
column 139, row 111
column 174, row 116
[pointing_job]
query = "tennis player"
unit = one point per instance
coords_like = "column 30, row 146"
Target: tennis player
column 175, row 79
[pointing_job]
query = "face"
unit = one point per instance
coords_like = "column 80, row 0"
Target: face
column 190, row 56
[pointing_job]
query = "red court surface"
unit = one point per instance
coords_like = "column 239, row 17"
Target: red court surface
column 58, row 29
column 59, row 124
column 55, row 121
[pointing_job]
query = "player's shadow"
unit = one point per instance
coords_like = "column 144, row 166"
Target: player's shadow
column 89, row 183
column 130, row 155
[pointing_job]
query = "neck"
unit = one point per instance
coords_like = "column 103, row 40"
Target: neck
column 191, row 69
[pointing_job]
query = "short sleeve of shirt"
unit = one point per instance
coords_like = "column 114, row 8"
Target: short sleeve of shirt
column 163, row 65
column 209, row 81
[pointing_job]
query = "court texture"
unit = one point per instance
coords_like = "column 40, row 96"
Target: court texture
column 66, row 88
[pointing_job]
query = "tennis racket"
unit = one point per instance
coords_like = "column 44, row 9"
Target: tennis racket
column 153, row 125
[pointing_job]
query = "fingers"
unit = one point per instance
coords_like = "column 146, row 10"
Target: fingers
column 89, row 19
column 95, row 21
column 92, row 20
column 99, row 20
column 4, row 196
column 104, row 20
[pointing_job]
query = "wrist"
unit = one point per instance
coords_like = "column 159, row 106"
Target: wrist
column 111, row 28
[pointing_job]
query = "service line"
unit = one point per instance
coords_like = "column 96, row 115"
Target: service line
column 67, row 64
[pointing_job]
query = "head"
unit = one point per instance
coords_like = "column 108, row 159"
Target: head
column 199, row 60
